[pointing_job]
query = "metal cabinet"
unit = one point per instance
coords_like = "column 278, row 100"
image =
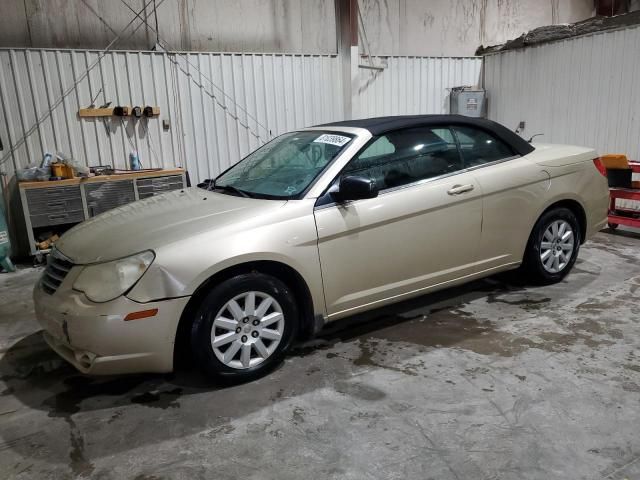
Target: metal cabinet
column 148, row 187
column 67, row 202
column 103, row 196
column 55, row 206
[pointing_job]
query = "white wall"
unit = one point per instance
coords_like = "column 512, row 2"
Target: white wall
column 581, row 91
column 412, row 85
column 220, row 106
column 458, row 27
column 394, row 27
column 292, row 26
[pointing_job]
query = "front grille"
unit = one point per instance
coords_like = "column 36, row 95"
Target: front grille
column 57, row 269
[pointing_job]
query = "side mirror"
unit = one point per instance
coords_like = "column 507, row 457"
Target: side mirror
column 355, row 188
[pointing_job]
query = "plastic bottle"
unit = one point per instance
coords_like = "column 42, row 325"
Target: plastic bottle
column 134, row 160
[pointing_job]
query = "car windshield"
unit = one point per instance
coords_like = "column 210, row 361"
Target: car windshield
column 284, row 167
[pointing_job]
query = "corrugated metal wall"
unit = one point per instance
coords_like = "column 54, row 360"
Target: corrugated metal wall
column 580, row 91
column 412, row 85
column 219, row 106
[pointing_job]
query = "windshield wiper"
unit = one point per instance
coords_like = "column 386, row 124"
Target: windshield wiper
column 232, row 189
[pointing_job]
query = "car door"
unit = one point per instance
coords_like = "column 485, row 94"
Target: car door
column 421, row 230
column 511, row 186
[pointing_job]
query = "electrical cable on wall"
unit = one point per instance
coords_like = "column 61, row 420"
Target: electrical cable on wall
column 365, row 43
column 156, row 17
column 177, row 107
column 145, row 129
column 138, row 16
column 213, row 84
column 367, row 49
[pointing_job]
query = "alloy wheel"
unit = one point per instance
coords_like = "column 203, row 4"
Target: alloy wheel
column 556, row 247
column 247, row 330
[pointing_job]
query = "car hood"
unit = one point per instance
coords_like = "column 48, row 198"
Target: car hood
column 151, row 223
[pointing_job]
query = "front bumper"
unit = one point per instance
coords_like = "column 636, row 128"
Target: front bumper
column 95, row 338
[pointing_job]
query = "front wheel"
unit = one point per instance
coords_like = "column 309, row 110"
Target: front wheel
column 244, row 327
column 553, row 246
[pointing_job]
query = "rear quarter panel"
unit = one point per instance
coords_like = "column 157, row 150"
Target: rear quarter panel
column 574, row 176
column 584, row 184
column 518, row 191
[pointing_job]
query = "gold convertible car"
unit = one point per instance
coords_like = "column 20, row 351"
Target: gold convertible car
column 314, row 226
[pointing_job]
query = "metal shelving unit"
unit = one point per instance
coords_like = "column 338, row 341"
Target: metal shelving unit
column 67, row 202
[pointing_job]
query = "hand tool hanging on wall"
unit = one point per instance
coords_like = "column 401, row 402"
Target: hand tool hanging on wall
column 93, row 100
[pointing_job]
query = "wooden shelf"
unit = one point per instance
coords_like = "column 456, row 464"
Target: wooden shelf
column 108, row 112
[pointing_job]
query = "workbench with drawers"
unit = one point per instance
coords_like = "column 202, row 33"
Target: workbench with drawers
column 61, row 204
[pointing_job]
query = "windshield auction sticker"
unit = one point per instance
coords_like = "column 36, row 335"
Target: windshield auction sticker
column 338, row 140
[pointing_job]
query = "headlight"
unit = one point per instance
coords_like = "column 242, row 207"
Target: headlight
column 105, row 281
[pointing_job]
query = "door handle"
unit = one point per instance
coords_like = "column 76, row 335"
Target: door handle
column 458, row 189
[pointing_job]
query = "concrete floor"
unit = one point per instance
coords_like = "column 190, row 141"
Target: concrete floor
column 488, row 381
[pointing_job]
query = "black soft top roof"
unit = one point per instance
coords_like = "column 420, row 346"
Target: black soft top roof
column 382, row 125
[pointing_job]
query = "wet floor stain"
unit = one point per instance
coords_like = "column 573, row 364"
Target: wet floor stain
column 159, row 399
column 115, row 416
column 527, row 304
column 358, row 390
column 370, row 419
column 369, row 349
column 579, row 270
column 28, row 441
column 217, row 431
column 454, row 329
column 31, row 357
column 78, row 462
column 420, row 323
column 297, row 417
column 615, row 249
column 31, row 363
column 79, row 389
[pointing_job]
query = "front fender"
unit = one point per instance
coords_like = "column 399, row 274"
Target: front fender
column 289, row 238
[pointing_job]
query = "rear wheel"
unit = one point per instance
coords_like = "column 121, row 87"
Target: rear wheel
column 244, row 327
column 553, row 246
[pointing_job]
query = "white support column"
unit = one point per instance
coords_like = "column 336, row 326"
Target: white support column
column 348, row 52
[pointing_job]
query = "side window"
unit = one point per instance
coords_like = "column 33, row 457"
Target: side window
column 478, row 147
column 407, row 156
column 381, row 146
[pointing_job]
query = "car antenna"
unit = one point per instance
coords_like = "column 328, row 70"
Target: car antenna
column 534, row 136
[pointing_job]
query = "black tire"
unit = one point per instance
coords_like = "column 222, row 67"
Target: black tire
column 613, row 226
column 200, row 340
column 532, row 265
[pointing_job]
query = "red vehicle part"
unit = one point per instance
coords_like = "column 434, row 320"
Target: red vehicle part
column 621, row 216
